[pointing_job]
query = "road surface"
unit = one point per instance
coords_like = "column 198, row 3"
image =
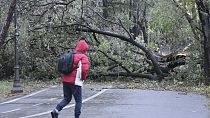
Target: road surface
column 104, row 102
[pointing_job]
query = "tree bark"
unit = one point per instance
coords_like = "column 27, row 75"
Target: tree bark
column 105, row 9
column 203, row 10
column 5, row 28
column 139, row 20
column 148, row 76
column 135, row 16
column 143, row 25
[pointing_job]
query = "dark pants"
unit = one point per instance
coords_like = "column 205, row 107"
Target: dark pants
column 68, row 91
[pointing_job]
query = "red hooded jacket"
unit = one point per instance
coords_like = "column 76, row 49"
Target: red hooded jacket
column 80, row 67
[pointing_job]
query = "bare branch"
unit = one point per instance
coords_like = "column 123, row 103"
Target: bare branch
column 107, row 20
column 125, row 29
column 94, row 36
column 193, row 25
column 119, row 63
column 57, row 3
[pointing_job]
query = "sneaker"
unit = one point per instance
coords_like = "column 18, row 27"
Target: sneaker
column 54, row 114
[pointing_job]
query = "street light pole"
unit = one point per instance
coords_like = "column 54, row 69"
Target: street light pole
column 16, row 85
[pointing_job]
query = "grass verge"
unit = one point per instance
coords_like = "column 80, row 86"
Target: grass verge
column 5, row 89
column 27, row 86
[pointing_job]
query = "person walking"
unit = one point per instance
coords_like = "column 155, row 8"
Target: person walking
column 73, row 81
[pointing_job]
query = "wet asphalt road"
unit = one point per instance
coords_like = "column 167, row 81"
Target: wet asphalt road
column 104, row 102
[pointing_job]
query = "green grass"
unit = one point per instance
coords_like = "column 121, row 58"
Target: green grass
column 5, row 89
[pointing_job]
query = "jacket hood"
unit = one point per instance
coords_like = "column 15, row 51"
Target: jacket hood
column 81, row 46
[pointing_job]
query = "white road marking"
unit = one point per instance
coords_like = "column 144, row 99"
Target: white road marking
column 69, row 106
column 26, row 107
column 26, row 96
column 37, row 104
column 51, row 99
column 11, row 111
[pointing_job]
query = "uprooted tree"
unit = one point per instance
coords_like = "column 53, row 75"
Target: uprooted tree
column 143, row 30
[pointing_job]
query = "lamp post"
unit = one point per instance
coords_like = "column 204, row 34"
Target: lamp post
column 16, row 85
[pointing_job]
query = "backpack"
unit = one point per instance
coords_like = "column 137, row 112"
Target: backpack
column 65, row 63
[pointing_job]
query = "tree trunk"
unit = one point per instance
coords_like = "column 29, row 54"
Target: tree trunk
column 134, row 16
column 6, row 25
column 138, row 17
column 143, row 25
column 148, row 76
column 105, row 9
column 203, row 10
column 192, row 23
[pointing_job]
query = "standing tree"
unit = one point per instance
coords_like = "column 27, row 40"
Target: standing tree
column 6, row 25
column 204, row 15
column 200, row 29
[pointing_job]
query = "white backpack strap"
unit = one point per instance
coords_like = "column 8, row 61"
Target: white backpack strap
column 78, row 79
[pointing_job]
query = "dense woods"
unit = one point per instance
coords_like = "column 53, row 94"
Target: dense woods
column 153, row 39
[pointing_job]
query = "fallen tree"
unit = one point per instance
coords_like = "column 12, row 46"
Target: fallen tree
column 156, row 68
column 158, row 72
